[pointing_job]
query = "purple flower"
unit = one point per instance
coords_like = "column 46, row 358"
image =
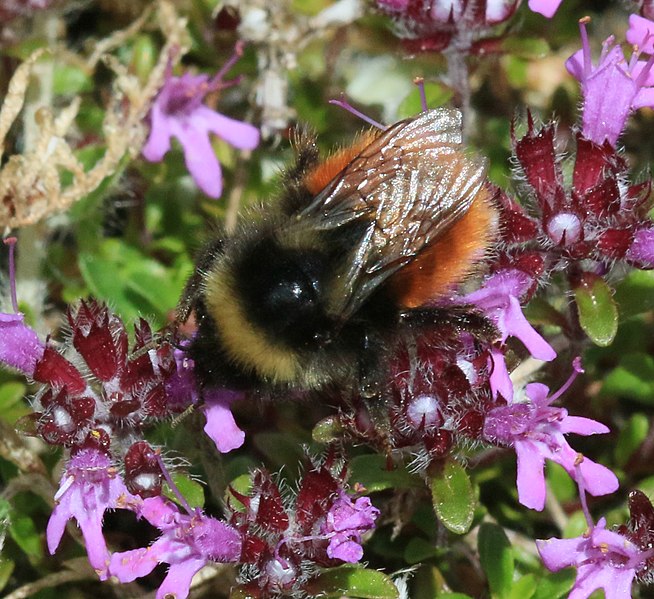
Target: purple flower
column 178, row 112
column 641, row 33
column 536, row 431
column 547, row 8
column 345, row 523
column 187, row 543
column 604, row 560
column 221, row 426
column 89, row 486
column 612, row 89
column 499, row 300
column 641, row 250
column 20, row 346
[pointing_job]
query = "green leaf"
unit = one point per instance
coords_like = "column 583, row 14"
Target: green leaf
column 241, row 484
column 6, row 569
column 12, row 406
column 524, row 588
column 418, row 550
column 26, row 535
column 635, row 294
column 453, row 497
column 496, row 558
column 371, row 472
column 632, row 378
column 597, row 310
column 70, row 80
column 555, row 584
column 631, row 437
column 327, row 430
column 355, row 583
column 192, row 490
column 453, row 596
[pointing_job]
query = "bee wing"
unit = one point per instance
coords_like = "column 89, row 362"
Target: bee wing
column 407, row 187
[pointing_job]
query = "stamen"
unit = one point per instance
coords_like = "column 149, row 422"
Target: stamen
column 420, row 82
column 171, row 485
column 216, row 81
column 644, row 73
column 343, row 103
column 585, row 44
column 11, row 242
column 581, row 483
column 577, row 369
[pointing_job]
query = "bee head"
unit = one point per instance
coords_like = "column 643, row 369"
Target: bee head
column 283, row 291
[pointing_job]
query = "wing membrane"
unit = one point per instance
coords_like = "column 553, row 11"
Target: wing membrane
column 409, row 185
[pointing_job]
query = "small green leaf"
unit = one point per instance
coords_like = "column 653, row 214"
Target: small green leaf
column 635, row 294
column 597, row 310
column 355, row 583
column 418, row 550
column 524, row 588
column 453, row 596
column 192, row 490
column 453, row 497
column 631, row 437
column 6, row 569
column 633, row 378
column 70, row 80
column 242, row 485
column 372, row 472
column 26, row 535
column 555, row 585
column 327, row 430
column 496, row 558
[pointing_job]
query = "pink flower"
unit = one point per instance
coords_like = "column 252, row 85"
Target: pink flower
column 187, row 543
column 612, row 89
column 89, row 486
column 547, row 8
column 604, row 560
column 344, row 525
column 641, row 33
column 178, row 112
column 20, row 346
column 221, row 426
column 536, row 429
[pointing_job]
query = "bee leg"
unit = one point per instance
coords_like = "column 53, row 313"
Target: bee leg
column 369, row 384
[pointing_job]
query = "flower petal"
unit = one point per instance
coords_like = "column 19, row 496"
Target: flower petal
column 20, row 346
column 559, row 553
column 239, row 134
column 547, row 8
column 530, row 479
column 158, row 142
column 177, row 583
column 221, row 426
column 200, row 159
column 582, row 426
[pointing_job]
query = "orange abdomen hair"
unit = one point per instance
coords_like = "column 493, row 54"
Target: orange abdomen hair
column 449, row 259
column 317, row 179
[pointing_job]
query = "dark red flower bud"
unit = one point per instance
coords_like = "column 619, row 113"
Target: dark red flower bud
column 142, row 471
column 58, row 372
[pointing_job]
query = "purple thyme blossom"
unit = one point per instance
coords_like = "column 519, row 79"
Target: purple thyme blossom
column 187, row 543
column 604, row 560
column 345, row 523
column 536, row 431
column 20, row 346
column 642, row 248
column 499, row 300
column 178, row 112
column 221, row 426
column 641, row 33
column 612, row 89
column 89, row 486
column 547, row 8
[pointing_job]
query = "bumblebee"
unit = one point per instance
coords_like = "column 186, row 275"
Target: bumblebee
column 314, row 288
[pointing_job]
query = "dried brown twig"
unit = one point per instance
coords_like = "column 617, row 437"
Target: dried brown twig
column 32, row 184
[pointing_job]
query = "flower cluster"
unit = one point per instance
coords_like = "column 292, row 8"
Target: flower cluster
column 284, row 540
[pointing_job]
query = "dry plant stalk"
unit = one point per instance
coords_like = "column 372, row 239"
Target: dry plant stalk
column 31, row 183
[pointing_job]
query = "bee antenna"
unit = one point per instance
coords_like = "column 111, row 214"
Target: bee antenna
column 420, row 84
column 343, row 103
